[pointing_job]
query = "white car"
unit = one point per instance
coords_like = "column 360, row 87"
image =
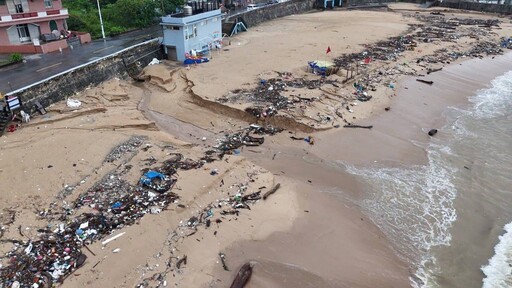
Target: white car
column 251, row 6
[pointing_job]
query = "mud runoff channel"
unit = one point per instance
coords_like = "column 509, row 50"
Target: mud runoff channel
column 182, row 130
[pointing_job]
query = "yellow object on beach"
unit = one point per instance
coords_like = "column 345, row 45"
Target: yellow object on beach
column 323, row 64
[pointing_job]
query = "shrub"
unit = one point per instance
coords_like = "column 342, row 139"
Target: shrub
column 15, row 57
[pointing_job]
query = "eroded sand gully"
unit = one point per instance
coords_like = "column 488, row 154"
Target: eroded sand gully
column 308, row 236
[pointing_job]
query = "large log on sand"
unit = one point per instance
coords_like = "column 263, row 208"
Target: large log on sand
column 242, row 277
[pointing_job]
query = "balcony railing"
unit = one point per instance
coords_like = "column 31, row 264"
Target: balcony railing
column 24, row 15
column 34, row 14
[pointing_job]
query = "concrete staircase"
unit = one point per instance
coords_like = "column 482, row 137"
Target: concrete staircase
column 5, row 119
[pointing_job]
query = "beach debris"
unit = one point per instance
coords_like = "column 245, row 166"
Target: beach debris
column 231, row 142
column 73, row 103
column 432, row 132
column 271, row 191
column 40, row 107
column 223, row 261
column 25, row 117
column 112, row 238
column 157, row 181
column 434, row 70
column 268, row 97
column 154, row 62
column 129, row 146
column 242, row 276
column 182, row 261
column 506, row 43
column 358, row 126
column 114, row 202
column 425, row 81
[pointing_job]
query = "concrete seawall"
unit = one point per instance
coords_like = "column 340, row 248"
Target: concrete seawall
column 270, row 12
column 126, row 62
column 482, row 7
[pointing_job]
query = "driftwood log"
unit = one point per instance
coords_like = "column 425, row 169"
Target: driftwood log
column 271, row 191
column 425, row 81
column 242, row 277
column 434, row 70
column 358, row 126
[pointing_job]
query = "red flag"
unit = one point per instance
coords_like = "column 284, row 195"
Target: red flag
column 367, row 60
column 328, row 50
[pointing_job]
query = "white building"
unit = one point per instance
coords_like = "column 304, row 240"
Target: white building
column 195, row 31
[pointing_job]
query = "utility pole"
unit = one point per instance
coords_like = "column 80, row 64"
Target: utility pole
column 101, row 20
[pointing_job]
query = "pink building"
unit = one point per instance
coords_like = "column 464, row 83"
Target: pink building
column 26, row 26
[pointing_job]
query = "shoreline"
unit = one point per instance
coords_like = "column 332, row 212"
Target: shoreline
column 350, row 189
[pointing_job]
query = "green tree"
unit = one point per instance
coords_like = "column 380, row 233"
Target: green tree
column 134, row 13
column 118, row 15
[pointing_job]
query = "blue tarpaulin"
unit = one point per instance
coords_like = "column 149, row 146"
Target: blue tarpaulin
column 150, row 175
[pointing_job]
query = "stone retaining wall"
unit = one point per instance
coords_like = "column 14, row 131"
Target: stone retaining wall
column 67, row 83
column 266, row 13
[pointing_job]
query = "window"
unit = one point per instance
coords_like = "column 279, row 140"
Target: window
column 48, row 3
column 18, row 8
column 191, row 32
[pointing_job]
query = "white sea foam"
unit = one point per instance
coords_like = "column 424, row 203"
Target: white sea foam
column 413, row 205
column 494, row 101
column 498, row 273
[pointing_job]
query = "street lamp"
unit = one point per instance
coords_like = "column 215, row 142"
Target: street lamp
column 101, row 20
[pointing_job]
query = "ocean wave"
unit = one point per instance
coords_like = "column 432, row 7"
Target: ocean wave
column 413, row 206
column 498, row 273
column 494, row 101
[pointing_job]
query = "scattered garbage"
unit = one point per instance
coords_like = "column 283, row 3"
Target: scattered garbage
column 245, row 137
column 506, row 43
column 129, row 146
column 268, row 98
column 432, row 132
column 154, row 62
column 116, row 203
column 157, row 181
column 223, row 260
column 25, row 117
column 112, row 238
column 73, row 103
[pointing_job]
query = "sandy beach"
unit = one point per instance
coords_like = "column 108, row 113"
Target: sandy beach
column 76, row 164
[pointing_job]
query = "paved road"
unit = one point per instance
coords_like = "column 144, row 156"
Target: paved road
column 42, row 66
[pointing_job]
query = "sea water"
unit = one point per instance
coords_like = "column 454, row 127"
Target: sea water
column 449, row 216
